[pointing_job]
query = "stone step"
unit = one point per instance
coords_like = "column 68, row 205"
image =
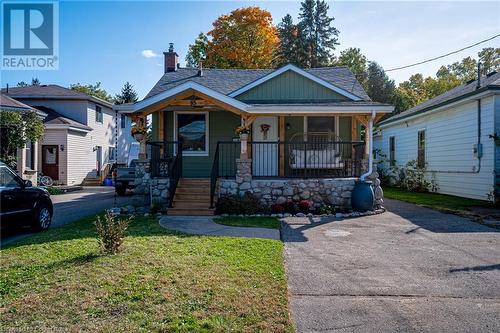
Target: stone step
column 188, row 212
column 191, row 197
column 195, row 190
column 191, row 205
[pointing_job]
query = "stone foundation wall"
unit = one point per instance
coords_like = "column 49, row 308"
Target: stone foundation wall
column 320, row 191
column 331, row 191
column 148, row 189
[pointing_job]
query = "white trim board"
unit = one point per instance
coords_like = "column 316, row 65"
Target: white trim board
column 299, row 71
column 129, row 108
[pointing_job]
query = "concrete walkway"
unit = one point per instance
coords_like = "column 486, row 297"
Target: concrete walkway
column 410, row 269
column 204, row 225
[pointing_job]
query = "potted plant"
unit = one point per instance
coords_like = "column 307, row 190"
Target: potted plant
column 138, row 132
column 243, row 132
column 496, row 138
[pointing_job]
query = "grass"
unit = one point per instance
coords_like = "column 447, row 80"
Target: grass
column 255, row 222
column 161, row 281
column 441, row 202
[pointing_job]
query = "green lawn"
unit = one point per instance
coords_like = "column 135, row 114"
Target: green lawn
column 256, row 222
column 441, row 202
column 161, row 281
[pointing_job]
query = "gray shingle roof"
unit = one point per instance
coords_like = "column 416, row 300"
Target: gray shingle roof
column 490, row 81
column 51, row 91
column 55, row 118
column 226, row 81
column 10, row 104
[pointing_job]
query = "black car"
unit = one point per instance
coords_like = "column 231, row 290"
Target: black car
column 22, row 204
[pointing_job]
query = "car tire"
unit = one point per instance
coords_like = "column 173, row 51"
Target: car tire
column 42, row 218
column 121, row 190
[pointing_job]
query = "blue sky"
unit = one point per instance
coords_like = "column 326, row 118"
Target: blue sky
column 104, row 41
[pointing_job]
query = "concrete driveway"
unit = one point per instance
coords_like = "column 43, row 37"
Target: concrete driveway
column 73, row 206
column 408, row 270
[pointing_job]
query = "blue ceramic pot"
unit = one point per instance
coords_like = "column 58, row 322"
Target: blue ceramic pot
column 362, row 198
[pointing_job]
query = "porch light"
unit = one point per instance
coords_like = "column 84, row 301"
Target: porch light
column 288, row 126
column 61, row 147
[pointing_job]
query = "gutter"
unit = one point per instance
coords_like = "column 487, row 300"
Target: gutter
column 370, row 145
column 388, row 122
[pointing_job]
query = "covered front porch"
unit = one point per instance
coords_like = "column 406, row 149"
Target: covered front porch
column 193, row 136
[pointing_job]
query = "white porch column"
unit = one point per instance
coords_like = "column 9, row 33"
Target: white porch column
column 142, row 143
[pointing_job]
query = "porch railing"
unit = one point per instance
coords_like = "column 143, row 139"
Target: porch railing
column 166, row 162
column 331, row 159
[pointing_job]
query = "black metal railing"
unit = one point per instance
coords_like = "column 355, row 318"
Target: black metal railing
column 166, row 162
column 293, row 159
column 214, row 176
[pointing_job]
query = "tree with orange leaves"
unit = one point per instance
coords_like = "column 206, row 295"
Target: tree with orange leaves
column 245, row 38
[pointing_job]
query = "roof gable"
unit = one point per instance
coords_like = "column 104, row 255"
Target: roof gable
column 227, row 81
column 290, row 81
column 289, row 87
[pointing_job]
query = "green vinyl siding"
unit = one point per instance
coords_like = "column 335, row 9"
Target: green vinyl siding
column 221, row 128
column 345, row 128
column 290, row 87
column 154, row 126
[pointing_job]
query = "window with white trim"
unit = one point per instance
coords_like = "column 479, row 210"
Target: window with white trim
column 192, row 132
column 123, row 122
column 392, row 150
column 98, row 114
column 29, row 162
column 421, row 149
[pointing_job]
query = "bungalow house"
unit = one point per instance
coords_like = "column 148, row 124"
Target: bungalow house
column 27, row 157
column 454, row 136
column 79, row 142
column 303, row 124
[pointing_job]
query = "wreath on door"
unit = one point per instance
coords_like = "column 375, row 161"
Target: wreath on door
column 264, row 128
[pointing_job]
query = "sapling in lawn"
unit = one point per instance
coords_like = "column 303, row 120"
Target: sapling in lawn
column 110, row 232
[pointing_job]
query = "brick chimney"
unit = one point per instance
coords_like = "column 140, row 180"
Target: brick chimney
column 171, row 59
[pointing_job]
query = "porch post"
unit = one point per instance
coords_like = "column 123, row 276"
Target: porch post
column 281, row 145
column 142, row 143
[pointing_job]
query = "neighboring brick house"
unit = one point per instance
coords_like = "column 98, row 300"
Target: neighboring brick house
column 79, row 140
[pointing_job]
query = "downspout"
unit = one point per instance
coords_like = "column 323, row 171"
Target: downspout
column 370, row 148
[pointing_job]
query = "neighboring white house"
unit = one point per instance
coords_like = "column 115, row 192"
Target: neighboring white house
column 79, row 140
column 27, row 157
column 452, row 135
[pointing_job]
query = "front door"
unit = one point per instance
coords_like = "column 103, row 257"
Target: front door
column 50, row 161
column 265, row 147
column 98, row 159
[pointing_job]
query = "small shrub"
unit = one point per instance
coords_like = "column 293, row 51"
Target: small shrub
column 413, row 178
column 111, row 232
column 156, row 206
column 54, row 190
column 289, row 207
column 234, row 205
column 327, row 209
column 277, row 208
column 304, row 206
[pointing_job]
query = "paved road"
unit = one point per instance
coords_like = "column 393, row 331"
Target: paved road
column 73, row 206
column 408, row 270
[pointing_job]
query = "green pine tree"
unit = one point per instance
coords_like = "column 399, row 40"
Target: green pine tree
column 320, row 37
column 197, row 51
column 289, row 49
column 378, row 85
column 127, row 95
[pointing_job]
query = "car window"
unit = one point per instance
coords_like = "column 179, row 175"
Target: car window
column 8, row 178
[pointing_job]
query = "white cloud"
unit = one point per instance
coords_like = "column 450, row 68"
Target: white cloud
column 149, row 54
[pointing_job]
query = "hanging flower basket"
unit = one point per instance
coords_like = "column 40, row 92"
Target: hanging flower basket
column 138, row 132
column 139, row 136
column 242, row 130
